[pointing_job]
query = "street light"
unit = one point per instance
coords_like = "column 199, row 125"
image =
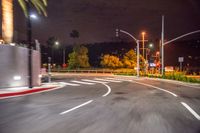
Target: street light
column 151, row 45
column 138, row 48
column 33, row 16
column 143, row 34
column 172, row 40
column 57, row 43
column 29, row 40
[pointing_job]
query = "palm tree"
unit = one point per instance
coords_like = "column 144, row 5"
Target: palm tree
column 7, row 15
column 7, row 20
column 74, row 34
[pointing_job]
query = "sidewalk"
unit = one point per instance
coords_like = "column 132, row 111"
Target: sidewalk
column 21, row 91
column 194, row 85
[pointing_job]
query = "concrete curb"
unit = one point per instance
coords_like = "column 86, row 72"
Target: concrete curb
column 174, row 81
column 24, row 92
column 196, row 85
column 13, row 92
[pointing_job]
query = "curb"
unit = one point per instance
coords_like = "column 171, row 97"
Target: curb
column 174, row 81
column 25, row 92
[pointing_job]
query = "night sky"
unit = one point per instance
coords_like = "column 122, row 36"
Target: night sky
column 96, row 20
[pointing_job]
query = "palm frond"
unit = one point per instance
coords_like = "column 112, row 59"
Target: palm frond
column 40, row 6
column 22, row 3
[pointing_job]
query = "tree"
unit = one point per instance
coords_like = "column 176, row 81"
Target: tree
column 142, row 63
column 38, row 4
column 72, row 62
column 7, row 15
column 79, row 58
column 7, row 20
column 130, row 59
column 111, row 61
column 74, row 34
column 82, row 56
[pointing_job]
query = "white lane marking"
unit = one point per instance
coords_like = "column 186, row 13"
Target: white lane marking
column 70, row 84
column 119, row 79
column 81, row 82
column 108, row 92
column 156, row 88
column 108, row 80
column 67, row 111
column 191, row 110
column 94, row 81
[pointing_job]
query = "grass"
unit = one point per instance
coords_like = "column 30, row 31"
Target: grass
column 179, row 76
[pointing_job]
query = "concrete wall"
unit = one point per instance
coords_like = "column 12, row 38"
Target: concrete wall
column 14, row 65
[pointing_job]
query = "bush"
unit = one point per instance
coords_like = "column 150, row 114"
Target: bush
column 180, row 76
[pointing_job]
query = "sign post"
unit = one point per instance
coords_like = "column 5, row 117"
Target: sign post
column 180, row 60
column 49, row 69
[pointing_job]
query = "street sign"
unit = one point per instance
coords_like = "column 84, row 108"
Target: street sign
column 180, row 59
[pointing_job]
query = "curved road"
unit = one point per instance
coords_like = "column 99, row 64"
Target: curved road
column 105, row 105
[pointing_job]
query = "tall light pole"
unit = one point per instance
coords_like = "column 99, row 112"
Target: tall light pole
column 138, row 48
column 162, row 46
column 57, row 43
column 29, row 40
column 64, row 56
column 143, row 34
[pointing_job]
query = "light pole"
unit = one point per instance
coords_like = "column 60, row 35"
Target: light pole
column 57, row 43
column 138, row 48
column 64, row 56
column 172, row 40
column 143, row 34
column 29, row 40
column 162, row 46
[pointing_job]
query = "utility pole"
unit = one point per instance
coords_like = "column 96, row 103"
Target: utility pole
column 138, row 58
column 63, row 56
column 162, row 46
column 143, row 34
column 49, row 69
column 29, row 40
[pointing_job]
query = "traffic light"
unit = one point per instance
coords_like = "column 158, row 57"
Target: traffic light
column 117, row 32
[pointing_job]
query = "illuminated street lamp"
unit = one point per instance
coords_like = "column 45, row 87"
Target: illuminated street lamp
column 57, row 43
column 163, row 43
column 33, row 16
column 151, row 45
column 143, row 34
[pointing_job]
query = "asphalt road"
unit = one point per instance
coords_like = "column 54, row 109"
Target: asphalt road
column 109, row 106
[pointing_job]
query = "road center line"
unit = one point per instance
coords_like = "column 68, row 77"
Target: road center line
column 156, row 88
column 72, row 109
column 108, row 92
column 191, row 110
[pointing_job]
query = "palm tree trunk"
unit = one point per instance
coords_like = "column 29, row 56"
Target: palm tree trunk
column 7, row 20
